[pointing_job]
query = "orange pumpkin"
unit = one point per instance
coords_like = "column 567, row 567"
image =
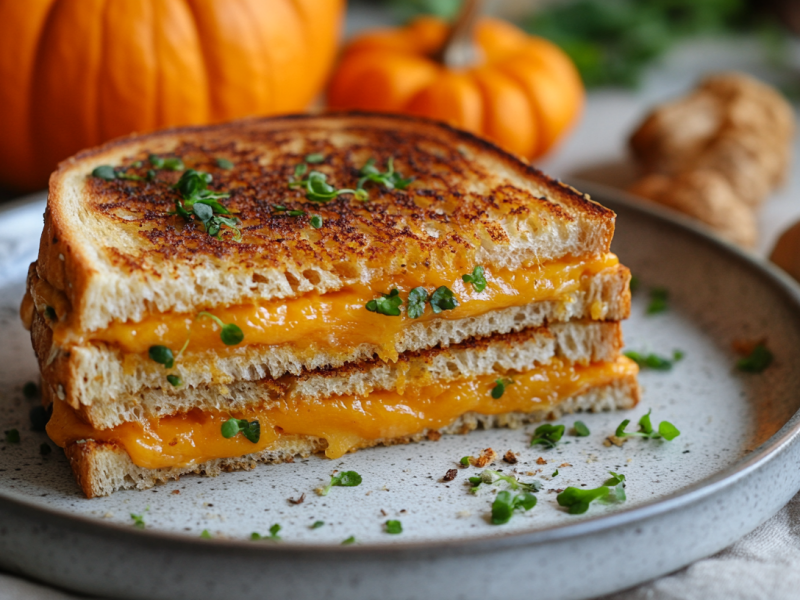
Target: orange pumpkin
column 524, row 93
column 76, row 73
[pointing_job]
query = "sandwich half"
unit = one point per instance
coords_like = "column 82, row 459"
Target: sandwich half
column 292, row 271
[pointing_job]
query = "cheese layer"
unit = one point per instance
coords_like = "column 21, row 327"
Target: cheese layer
column 339, row 319
column 345, row 422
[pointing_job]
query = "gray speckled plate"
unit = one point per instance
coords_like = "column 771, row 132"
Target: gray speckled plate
column 733, row 467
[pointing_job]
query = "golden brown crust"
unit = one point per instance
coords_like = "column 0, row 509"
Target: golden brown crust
column 454, row 195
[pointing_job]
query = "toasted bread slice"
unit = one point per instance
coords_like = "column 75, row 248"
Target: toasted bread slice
column 97, row 374
column 102, row 468
column 115, row 252
column 579, row 342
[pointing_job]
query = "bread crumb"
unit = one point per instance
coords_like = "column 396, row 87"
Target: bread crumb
column 176, row 492
column 108, row 515
column 592, row 458
column 463, row 514
column 612, row 439
column 487, row 457
column 562, row 465
column 450, row 475
column 434, row 435
column 541, row 461
column 510, row 458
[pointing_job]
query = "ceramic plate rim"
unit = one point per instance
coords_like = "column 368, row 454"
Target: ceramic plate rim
column 766, row 452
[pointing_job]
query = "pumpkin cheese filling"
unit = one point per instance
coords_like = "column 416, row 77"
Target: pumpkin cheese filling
column 346, row 423
column 339, row 319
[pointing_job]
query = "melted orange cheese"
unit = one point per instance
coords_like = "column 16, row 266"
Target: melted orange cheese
column 345, row 422
column 339, row 319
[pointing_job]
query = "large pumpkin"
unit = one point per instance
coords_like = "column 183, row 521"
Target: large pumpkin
column 74, row 73
column 523, row 94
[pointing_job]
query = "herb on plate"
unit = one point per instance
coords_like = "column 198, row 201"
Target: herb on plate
column 666, row 430
column 547, row 435
column 394, row 526
column 492, row 477
column 249, row 429
column 230, row 333
column 223, row 163
column 343, row 479
column 314, row 158
column 390, row 179
column 197, row 201
column 758, row 360
column 349, row 541
column 205, row 534
column 388, row 304
column 577, row 500
column 273, row 535
column 581, row 430
column 654, row 361
column 443, row 299
column 500, row 387
column 317, row 524
column 477, row 279
column 317, row 187
column 505, row 503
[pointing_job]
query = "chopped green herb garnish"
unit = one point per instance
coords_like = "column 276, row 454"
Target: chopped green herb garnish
column 230, row 333
column 581, row 430
column 547, row 435
column 658, row 301
column 416, row 302
column 12, row 436
column 653, row 361
column 464, row 461
column 634, row 284
column 45, row 449
column 758, row 360
column 505, row 503
column 666, row 430
column 393, row 526
column 391, row 179
column 273, row 535
column 318, row 189
column 555, row 473
column 315, row 158
column 174, row 380
column 317, row 524
column 224, row 163
column 343, row 479
column 205, row 534
column 492, row 477
column 500, row 387
column 104, row 172
column 156, row 161
column 477, row 279
column 249, row 429
column 196, row 200
column 162, row 355
column 387, row 304
column 39, row 418
column 350, row 540
column 300, row 170
column 173, row 163
column 315, row 221
column 443, row 299
column 138, row 520
column 137, row 164
column 50, row 313
column 30, row 390
column 578, row 499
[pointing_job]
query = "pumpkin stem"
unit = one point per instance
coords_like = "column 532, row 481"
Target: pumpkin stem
column 459, row 50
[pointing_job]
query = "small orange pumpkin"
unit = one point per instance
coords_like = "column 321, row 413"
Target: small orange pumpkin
column 76, row 73
column 524, row 93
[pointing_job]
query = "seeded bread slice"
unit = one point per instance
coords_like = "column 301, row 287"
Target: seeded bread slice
column 103, row 468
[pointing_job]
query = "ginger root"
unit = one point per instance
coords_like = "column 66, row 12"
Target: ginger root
column 717, row 153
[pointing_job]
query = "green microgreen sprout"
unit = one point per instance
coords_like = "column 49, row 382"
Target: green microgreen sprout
column 666, row 430
column 174, row 380
column 547, row 435
column 654, row 361
column 230, row 333
column 317, row 524
column 659, row 298
column 315, row 221
column 317, row 187
column 505, row 503
column 12, row 436
column 45, row 449
column 464, row 461
column 394, row 526
column 272, row 537
column 387, row 304
column 223, row 163
column 162, row 355
column 500, row 387
column 758, row 360
column 391, row 179
column 348, row 541
column 443, row 299
column 104, row 172
column 477, row 279
column 314, row 158
column 205, row 534
column 343, row 479
column 197, row 201
column 581, row 430
column 555, row 473
column 492, row 477
column 138, row 520
column 416, row 302
column 249, row 429
column 577, row 500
